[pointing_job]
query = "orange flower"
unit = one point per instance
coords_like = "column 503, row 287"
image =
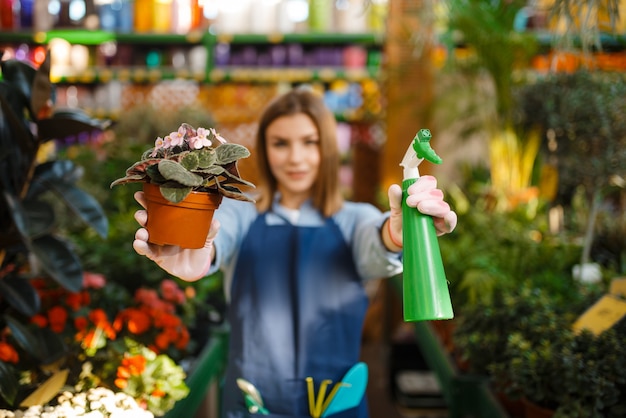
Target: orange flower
column 39, row 320
column 158, row 393
column 137, row 321
column 135, row 364
column 121, row 383
column 80, row 323
column 183, row 339
column 77, row 300
column 8, row 353
column 166, row 320
column 162, row 341
column 100, row 320
column 57, row 315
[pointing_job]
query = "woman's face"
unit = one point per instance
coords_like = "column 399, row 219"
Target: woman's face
column 293, row 154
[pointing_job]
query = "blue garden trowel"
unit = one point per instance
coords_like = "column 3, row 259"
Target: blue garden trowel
column 349, row 392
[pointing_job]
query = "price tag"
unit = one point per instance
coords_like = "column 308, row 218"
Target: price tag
column 618, row 287
column 602, row 315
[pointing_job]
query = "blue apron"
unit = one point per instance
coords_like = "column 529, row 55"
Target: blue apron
column 297, row 309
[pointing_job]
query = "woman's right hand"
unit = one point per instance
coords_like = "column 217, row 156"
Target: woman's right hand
column 185, row 263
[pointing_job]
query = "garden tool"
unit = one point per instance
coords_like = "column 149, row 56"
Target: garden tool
column 252, row 397
column 349, row 392
column 425, row 288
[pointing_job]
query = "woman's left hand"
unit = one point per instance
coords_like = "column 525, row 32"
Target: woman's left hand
column 428, row 199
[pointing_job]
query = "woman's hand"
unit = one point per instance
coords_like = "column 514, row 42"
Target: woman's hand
column 187, row 264
column 428, row 199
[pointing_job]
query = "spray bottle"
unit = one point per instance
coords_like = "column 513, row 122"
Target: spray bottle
column 425, row 287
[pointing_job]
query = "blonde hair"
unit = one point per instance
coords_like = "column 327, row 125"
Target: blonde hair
column 325, row 194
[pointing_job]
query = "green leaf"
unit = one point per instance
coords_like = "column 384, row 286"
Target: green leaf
column 59, row 261
column 42, row 87
column 24, row 337
column 215, row 170
column 52, row 172
column 19, row 293
column 227, row 153
column 173, row 171
column 190, row 161
column 84, row 205
column 41, row 218
column 69, row 125
column 175, row 194
column 18, row 214
column 48, row 390
column 9, row 384
column 52, row 345
column 207, row 157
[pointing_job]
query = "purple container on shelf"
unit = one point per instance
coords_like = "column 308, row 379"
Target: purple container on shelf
column 249, row 56
column 222, row 55
column 278, row 55
column 295, row 55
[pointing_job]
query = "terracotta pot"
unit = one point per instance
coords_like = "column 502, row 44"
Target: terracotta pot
column 532, row 410
column 186, row 223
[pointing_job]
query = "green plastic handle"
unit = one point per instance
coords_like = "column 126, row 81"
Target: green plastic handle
column 425, row 288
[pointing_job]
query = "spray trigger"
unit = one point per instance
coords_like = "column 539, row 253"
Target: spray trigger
column 421, row 145
column 418, row 151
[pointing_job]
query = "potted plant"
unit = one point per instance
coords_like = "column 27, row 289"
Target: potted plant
column 564, row 374
column 190, row 169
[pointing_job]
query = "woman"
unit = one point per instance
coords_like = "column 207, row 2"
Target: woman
column 296, row 263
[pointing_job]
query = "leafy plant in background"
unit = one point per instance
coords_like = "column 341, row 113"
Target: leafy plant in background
column 130, row 343
column 29, row 243
column 500, row 251
column 576, row 375
column 581, row 116
column 495, row 54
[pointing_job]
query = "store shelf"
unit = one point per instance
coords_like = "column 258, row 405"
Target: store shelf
column 292, row 75
column 303, row 38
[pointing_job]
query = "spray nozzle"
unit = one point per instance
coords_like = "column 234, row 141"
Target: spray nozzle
column 418, row 151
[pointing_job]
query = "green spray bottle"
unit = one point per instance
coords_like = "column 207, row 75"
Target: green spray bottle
column 424, row 285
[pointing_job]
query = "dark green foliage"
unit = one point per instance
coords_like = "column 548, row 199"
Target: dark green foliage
column 31, row 194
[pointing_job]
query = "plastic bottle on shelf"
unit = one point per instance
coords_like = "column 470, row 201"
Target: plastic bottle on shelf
column 143, row 15
column 115, row 15
column 43, row 19
column 7, row 14
column 162, row 17
column 350, row 16
column 26, row 13
column 321, row 15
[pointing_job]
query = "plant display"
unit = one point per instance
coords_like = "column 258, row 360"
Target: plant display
column 112, row 339
column 37, row 189
column 576, row 375
column 191, row 159
column 581, row 117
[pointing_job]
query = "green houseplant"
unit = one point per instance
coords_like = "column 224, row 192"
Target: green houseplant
column 36, row 191
column 574, row 375
column 185, row 176
column 190, row 159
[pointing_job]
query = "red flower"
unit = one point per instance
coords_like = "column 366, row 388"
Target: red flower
column 136, row 320
column 40, row 320
column 57, row 315
column 8, row 353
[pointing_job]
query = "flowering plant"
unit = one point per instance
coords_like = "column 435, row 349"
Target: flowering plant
column 191, row 159
column 126, row 343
